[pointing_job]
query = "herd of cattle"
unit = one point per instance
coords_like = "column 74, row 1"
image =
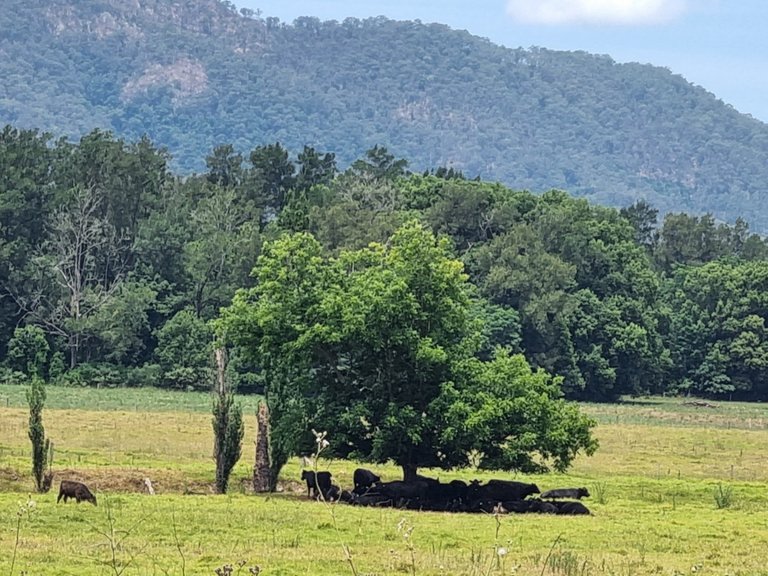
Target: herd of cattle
column 422, row 493
column 425, row 493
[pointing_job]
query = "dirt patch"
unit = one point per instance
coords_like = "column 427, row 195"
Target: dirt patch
column 133, row 481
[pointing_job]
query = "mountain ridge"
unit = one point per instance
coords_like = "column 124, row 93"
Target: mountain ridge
column 195, row 75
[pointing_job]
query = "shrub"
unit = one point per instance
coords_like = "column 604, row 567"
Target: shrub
column 723, row 496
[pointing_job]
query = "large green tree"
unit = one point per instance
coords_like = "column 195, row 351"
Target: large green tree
column 718, row 337
column 378, row 347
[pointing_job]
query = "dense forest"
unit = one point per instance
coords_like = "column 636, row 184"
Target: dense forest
column 198, row 74
column 113, row 267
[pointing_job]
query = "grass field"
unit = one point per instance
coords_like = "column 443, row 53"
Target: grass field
column 658, row 469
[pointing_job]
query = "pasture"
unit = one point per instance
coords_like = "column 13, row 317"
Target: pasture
column 654, row 483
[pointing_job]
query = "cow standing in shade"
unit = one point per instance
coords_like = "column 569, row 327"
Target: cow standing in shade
column 317, row 483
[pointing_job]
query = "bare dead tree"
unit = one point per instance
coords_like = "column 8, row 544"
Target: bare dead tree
column 79, row 269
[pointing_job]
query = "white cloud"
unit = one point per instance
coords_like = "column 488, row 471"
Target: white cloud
column 595, row 11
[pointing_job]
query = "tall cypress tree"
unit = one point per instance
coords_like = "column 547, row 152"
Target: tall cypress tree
column 228, row 426
column 40, row 444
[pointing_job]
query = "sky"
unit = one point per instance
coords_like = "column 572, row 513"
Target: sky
column 720, row 45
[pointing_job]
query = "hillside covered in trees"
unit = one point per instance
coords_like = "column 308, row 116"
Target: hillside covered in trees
column 112, row 268
column 197, row 74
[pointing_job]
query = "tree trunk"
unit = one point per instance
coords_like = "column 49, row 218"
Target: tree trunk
column 74, row 345
column 409, row 472
column 262, row 473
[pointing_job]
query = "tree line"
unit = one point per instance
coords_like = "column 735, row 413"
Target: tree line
column 113, row 271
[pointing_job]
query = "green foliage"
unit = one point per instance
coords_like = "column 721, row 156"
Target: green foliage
column 718, row 337
column 28, row 351
column 228, row 429
column 184, row 351
column 514, row 417
column 723, row 496
column 41, row 446
column 376, row 346
column 584, row 289
column 597, row 296
column 685, row 240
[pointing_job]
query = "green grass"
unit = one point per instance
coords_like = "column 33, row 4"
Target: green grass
column 130, row 399
column 663, row 473
column 677, row 412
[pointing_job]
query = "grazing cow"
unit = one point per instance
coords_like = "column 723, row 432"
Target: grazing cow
column 364, row 479
column 573, row 493
column 500, row 491
column 77, row 490
column 317, row 483
column 571, row 508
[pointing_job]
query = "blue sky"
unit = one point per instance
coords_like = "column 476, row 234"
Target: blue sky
column 721, row 45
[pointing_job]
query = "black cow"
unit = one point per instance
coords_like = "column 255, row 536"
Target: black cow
column 541, row 507
column 445, row 496
column 571, row 508
column 371, row 499
column 77, row 490
column 317, row 483
column 332, row 494
column 573, row 493
column 401, row 492
column 364, row 479
column 516, row 506
column 426, row 479
column 347, row 496
column 500, row 491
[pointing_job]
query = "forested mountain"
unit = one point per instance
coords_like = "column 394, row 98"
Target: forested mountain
column 192, row 75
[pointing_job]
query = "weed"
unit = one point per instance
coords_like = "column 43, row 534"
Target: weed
column 236, row 568
column 321, row 443
column 119, row 556
column 599, row 489
column 406, row 530
column 723, row 496
column 25, row 510
column 567, row 563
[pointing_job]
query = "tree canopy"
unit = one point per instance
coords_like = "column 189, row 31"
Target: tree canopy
column 378, row 347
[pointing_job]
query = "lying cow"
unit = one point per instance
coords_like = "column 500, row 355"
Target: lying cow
column 571, row 508
column 445, row 496
column 364, row 479
column 572, row 493
column 402, row 493
column 77, row 490
column 318, row 483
